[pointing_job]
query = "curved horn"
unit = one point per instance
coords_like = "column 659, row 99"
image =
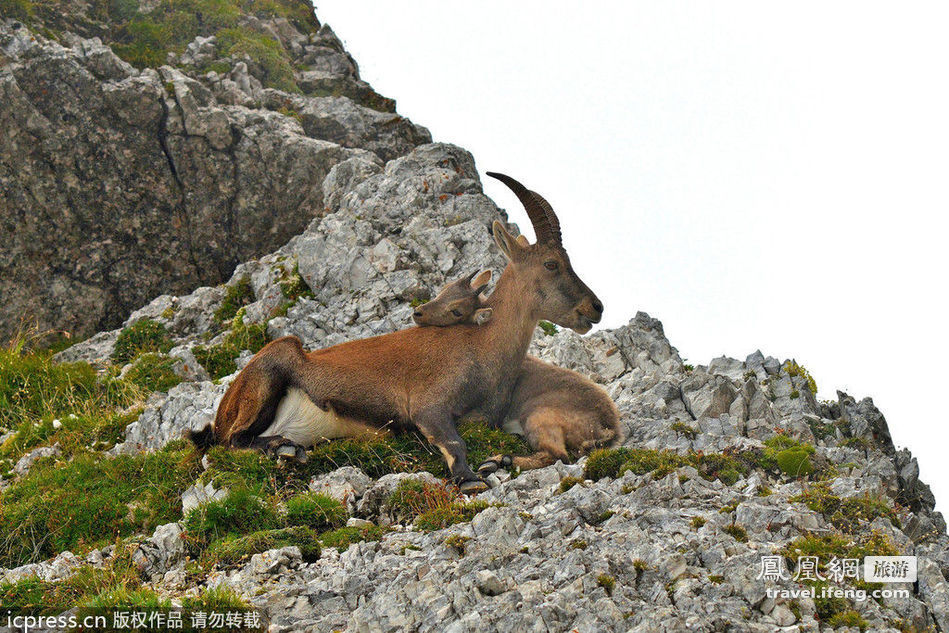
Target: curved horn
column 546, row 224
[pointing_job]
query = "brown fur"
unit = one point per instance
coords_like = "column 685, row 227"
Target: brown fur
column 419, row 377
column 559, row 411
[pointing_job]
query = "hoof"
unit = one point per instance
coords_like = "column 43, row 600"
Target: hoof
column 287, row 451
column 472, row 486
column 492, row 465
column 488, row 467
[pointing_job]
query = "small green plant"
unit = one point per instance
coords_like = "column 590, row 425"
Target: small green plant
column 793, row 369
column 737, row 532
column 549, row 328
column 294, row 286
column 220, row 360
column 688, row 368
column 849, row 618
column 859, row 443
column 153, row 372
column 343, row 537
column 440, row 518
column 795, row 394
column 764, row 491
column 729, row 507
column 845, row 514
column 684, row 429
column 577, row 543
column 569, row 482
column 788, row 455
column 716, row 579
column 607, row 582
column 315, row 511
column 458, row 542
column 140, row 337
column 698, row 522
column 236, row 297
column 640, row 565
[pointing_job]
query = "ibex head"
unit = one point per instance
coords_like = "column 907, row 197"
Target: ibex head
column 544, row 268
column 457, row 302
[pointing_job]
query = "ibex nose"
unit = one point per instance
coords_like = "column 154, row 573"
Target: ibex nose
column 417, row 313
column 598, row 306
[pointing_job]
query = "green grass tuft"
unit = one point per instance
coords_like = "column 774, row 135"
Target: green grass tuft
column 846, row 514
column 221, row 360
column 788, row 455
column 240, row 512
column 153, row 372
column 343, row 537
column 793, row 369
column 235, row 297
column 607, row 582
column 849, row 618
column 294, row 286
column 140, row 337
column 232, row 550
column 316, row 511
column 268, row 54
column 737, row 532
column 89, row 501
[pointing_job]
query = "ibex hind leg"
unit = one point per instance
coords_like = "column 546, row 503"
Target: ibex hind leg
column 543, row 430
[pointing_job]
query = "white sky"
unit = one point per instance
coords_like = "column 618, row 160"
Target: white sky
column 752, row 174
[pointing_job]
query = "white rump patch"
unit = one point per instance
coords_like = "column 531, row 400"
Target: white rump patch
column 299, row 420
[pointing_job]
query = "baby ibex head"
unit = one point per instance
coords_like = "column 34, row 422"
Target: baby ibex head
column 458, row 302
column 543, row 269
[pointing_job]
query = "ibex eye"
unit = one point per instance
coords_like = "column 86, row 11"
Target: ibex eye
column 457, row 313
column 550, row 265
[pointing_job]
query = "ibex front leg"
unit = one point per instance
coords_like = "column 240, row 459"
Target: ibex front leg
column 437, row 427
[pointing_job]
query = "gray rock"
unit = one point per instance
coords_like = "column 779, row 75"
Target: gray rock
column 24, row 464
column 199, row 494
column 347, row 485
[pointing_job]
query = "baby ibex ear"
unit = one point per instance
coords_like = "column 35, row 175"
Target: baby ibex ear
column 482, row 315
column 479, row 283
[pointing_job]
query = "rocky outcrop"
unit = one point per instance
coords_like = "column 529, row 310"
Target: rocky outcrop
column 119, row 184
column 388, row 218
column 632, row 553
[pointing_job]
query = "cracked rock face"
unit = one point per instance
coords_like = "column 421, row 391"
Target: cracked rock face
column 119, row 185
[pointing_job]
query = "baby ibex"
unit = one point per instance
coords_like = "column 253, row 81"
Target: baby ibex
column 425, row 377
column 558, row 411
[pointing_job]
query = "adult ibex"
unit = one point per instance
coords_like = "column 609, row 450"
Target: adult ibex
column 557, row 410
column 420, row 377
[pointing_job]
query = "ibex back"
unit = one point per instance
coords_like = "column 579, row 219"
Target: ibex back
column 418, row 377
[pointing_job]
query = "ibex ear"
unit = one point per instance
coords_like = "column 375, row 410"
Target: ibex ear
column 505, row 241
column 482, row 315
column 522, row 240
column 479, row 283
